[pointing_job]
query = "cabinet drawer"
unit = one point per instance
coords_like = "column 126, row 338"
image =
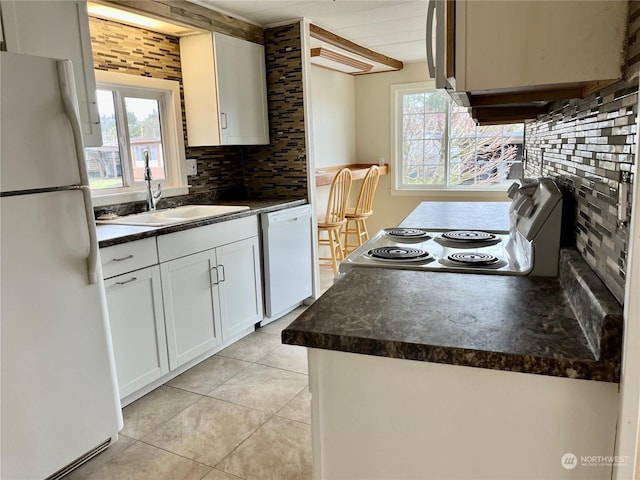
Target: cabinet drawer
column 127, row 257
column 184, row 243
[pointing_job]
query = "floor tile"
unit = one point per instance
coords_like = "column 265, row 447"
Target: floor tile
column 220, row 475
column 252, row 347
column 261, row 387
column 299, row 408
column 145, row 414
column 277, row 326
column 136, row 460
column 279, row 450
column 207, row 375
column 207, row 431
column 287, row 357
column 326, row 279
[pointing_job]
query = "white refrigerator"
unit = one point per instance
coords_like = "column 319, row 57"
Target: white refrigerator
column 59, row 398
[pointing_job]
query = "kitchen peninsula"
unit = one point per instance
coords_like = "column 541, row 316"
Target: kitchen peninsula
column 419, row 374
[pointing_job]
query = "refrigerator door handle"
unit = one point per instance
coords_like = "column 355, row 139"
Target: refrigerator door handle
column 69, row 100
column 92, row 260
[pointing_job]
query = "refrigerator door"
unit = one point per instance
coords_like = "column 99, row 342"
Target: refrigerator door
column 58, row 391
column 37, row 149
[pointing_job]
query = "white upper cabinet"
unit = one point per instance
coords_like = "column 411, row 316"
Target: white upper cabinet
column 57, row 29
column 503, row 45
column 225, row 90
column 509, row 60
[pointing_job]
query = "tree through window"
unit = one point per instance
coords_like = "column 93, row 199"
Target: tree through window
column 438, row 145
column 130, row 124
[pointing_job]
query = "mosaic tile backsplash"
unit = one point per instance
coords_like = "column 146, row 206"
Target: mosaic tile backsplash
column 584, row 144
column 280, row 170
column 136, row 51
column 275, row 171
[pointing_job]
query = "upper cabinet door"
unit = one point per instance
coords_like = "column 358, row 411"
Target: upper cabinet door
column 58, row 29
column 243, row 93
column 225, row 91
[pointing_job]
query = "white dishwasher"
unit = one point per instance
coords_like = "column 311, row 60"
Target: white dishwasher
column 286, row 243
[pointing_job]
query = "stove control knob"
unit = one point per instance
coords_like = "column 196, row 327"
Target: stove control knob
column 525, row 206
column 511, row 192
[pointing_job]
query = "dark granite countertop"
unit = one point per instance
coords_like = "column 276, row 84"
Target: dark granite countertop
column 514, row 323
column 459, row 216
column 110, row 234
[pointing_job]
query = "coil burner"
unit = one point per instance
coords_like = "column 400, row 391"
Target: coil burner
column 473, row 260
column 400, row 254
column 408, row 234
column 467, row 238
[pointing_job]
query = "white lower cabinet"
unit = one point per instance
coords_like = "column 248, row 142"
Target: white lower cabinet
column 239, row 287
column 136, row 315
column 193, row 325
column 211, row 297
column 174, row 302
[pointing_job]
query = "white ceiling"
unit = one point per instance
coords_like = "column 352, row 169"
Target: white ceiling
column 395, row 28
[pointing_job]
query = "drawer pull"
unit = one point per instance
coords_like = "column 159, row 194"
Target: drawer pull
column 123, row 258
column 132, row 279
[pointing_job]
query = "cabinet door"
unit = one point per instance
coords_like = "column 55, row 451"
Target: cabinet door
column 242, row 91
column 58, row 29
column 137, row 328
column 192, row 323
column 239, row 287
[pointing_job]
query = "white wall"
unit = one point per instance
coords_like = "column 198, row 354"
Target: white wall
column 373, row 140
column 334, row 117
column 333, row 132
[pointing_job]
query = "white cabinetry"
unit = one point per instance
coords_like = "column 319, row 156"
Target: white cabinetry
column 239, row 286
column 533, row 43
column 508, row 60
column 58, row 29
column 175, row 299
column 225, row 90
column 214, row 295
column 451, row 422
column 193, row 325
column 134, row 300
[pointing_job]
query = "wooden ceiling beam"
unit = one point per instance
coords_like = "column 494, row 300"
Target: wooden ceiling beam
column 190, row 14
column 349, row 46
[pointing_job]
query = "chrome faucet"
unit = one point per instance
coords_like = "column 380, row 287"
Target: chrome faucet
column 152, row 197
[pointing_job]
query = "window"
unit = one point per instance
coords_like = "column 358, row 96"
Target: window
column 437, row 145
column 137, row 115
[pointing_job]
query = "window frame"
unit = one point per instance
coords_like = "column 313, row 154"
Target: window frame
column 167, row 92
column 497, row 192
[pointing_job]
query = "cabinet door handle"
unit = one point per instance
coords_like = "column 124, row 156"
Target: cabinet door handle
column 431, row 64
column 123, row 258
column 223, row 118
column 217, row 280
column 224, row 277
column 132, row 279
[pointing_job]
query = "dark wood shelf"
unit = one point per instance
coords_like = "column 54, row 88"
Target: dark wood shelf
column 324, row 176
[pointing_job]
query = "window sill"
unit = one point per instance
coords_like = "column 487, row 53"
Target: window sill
column 453, row 194
column 100, row 200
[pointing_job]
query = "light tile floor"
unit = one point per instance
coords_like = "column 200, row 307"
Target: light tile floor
column 242, row 413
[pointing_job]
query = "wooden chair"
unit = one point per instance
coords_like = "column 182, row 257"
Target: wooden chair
column 356, row 217
column 334, row 219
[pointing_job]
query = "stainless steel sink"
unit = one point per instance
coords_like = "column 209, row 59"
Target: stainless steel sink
column 172, row 216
